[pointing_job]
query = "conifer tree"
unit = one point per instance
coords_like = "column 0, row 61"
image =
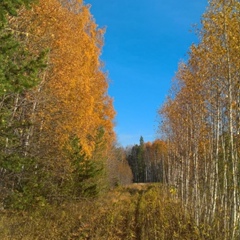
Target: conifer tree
column 19, row 72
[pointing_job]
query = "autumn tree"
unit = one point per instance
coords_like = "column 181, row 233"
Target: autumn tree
column 155, row 161
column 148, row 161
column 119, row 171
column 72, row 101
column 200, row 123
column 68, row 108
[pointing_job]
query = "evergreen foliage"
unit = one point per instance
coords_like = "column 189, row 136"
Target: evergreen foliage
column 84, row 173
column 148, row 161
column 10, row 7
column 19, row 72
column 41, row 108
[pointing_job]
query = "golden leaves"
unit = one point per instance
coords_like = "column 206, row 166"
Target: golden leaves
column 75, row 88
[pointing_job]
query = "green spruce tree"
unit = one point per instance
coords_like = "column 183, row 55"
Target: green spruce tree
column 19, row 72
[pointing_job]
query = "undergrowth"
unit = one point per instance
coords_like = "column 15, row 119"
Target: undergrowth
column 141, row 212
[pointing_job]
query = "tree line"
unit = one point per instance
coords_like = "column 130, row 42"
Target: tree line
column 201, row 124
column 148, row 161
column 56, row 117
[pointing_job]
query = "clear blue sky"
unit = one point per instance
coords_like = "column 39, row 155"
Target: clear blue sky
column 144, row 42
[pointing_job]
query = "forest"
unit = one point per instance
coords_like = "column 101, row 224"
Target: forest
column 62, row 173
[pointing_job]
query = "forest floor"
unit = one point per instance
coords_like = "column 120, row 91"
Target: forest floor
column 136, row 211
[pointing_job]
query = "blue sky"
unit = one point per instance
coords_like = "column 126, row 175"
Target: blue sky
column 144, row 42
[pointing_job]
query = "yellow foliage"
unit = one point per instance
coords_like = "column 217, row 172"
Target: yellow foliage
column 75, row 89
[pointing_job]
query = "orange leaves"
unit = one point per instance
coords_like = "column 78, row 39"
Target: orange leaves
column 75, row 101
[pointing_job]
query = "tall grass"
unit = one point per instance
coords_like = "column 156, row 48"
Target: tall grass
column 141, row 212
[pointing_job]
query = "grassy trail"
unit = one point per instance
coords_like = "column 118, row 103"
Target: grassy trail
column 134, row 212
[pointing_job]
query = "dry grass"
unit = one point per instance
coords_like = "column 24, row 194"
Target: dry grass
column 142, row 212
